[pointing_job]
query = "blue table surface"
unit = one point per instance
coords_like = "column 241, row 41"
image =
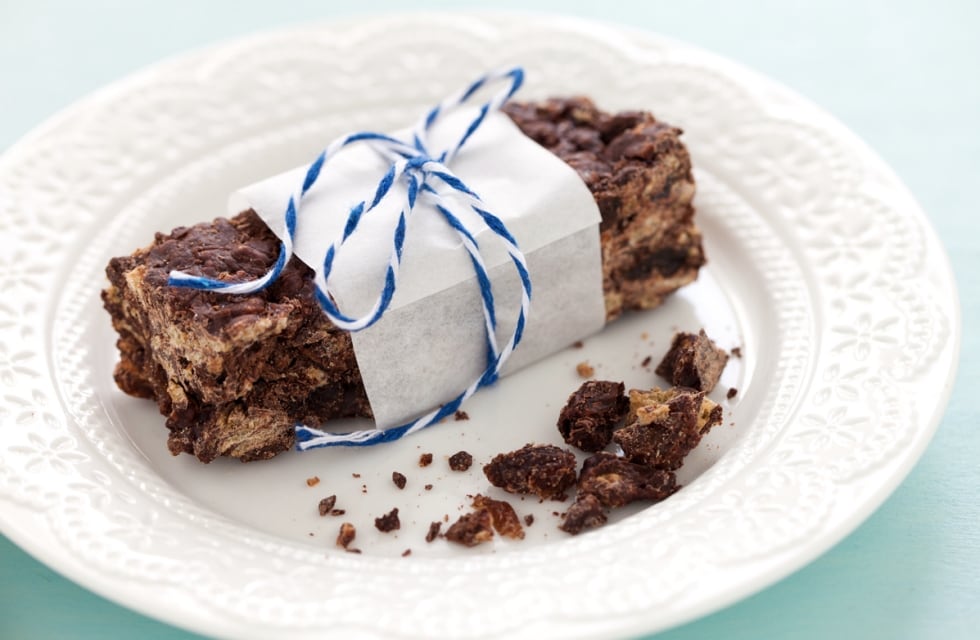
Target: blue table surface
column 902, row 75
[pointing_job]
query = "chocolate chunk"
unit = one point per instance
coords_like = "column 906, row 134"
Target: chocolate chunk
column 544, row 470
column 591, row 413
column 502, row 515
column 665, row 425
column 693, row 361
column 585, row 513
column 346, row 535
column 433, row 532
column 616, row 482
column 388, row 522
column 425, row 459
column 648, row 406
column 732, row 392
column 399, row 479
column 460, row 461
column 471, row 529
column 326, row 505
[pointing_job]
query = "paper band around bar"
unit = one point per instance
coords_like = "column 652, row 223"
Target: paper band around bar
column 429, row 340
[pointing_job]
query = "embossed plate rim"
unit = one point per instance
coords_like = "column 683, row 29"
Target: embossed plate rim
column 878, row 483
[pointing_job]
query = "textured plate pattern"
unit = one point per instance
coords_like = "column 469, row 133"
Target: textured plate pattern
column 859, row 334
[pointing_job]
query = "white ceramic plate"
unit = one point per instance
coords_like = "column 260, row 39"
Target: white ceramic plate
column 822, row 269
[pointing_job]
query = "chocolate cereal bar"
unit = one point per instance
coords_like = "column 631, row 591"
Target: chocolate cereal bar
column 234, row 374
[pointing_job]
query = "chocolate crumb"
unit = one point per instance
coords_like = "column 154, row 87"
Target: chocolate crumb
column 460, row 461
column 425, row 459
column 646, row 361
column 585, row 370
column 338, row 512
column 356, row 475
column 585, row 513
column 616, row 482
column 406, row 553
column 326, row 505
column 732, row 391
column 592, row 412
column 529, row 520
column 694, row 361
column 461, row 415
column 346, row 535
column 544, row 470
column 353, row 550
column 388, row 522
column 433, row 532
column 663, row 426
column 312, row 482
column 428, row 487
column 737, row 352
column 502, row 515
column 399, row 479
column 471, row 529
column 578, row 344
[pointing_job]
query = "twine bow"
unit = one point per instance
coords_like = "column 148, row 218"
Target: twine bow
column 421, row 172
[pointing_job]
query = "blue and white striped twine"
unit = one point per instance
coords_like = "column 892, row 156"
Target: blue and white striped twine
column 413, row 165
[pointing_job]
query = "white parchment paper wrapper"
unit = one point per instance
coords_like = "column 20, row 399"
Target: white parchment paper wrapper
column 429, row 346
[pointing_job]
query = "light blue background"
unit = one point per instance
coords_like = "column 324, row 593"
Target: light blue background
column 903, row 75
